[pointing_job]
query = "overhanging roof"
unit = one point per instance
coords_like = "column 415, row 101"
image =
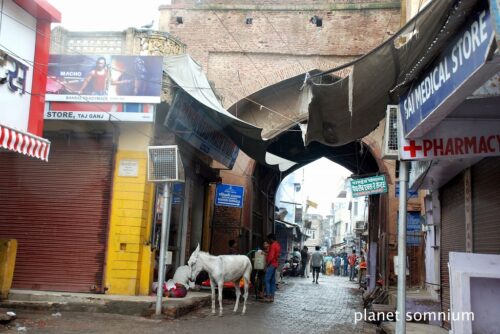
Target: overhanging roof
column 40, row 9
column 352, row 107
column 341, row 111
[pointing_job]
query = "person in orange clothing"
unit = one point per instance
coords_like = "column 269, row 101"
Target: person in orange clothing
column 362, row 269
column 272, row 264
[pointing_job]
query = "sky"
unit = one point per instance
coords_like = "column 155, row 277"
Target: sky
column 321, row 181
column 107, row 15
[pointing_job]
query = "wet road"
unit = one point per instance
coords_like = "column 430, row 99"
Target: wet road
column 300, row 307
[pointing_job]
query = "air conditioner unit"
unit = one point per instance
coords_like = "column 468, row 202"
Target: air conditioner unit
column 390, row 141
column 164, row 164
column 360, row 225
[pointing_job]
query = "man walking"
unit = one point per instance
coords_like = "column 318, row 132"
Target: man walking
column 316, row 261
column 337, row 265
column 305, row 261
column 346, row 264
column 272, row 265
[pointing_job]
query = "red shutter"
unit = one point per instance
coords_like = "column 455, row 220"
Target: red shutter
column 452, row 232
column 58, row 211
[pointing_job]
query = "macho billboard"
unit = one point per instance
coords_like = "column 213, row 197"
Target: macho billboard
column 94, row 78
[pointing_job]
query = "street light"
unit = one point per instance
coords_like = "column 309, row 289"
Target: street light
column 164, row 166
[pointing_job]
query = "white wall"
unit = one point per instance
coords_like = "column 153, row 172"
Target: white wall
column 17, row 38
column 432, row 237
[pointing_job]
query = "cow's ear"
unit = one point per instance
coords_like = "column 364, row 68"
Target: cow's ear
column 197, row 248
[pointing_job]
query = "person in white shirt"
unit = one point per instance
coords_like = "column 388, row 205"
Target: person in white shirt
column 316, row 262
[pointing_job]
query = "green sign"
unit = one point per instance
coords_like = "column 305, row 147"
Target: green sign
column 368, row 186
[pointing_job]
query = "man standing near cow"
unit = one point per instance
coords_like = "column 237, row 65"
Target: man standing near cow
column 272, row 265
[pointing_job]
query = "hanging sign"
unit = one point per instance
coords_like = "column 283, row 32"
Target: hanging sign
column 426, row 101
column 453, row 139
column 229, row 195
column 368, row 186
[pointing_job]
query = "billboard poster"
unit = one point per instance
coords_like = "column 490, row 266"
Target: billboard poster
column 114, row 112
column 104, row 79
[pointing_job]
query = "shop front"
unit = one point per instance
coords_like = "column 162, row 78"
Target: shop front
column 450, row 131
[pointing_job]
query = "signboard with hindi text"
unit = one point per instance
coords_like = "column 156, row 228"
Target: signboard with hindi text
column 229, row 195
column 368, row 186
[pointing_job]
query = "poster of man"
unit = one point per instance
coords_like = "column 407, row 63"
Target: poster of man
column 101, row 78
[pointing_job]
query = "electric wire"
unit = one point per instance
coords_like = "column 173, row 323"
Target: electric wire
column 163, row 83
column 251, row 61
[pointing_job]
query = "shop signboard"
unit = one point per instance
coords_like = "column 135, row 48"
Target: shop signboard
column 229, row 195
column 114, row 112
column 177, row 193
column 187, row 120
column 410, row 193
column 454, row 139
column 15, row 86
column 435, row 95
column 104, row 78
column 368, row 186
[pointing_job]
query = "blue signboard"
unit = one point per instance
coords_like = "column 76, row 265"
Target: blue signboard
column 410, row 193
column 464, row 55
column 413, row 229
column 229, row 195
column 177, row 193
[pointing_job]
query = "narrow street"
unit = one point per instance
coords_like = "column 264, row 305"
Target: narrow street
column 300, row 307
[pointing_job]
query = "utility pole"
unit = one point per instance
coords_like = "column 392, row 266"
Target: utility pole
column 401, row 297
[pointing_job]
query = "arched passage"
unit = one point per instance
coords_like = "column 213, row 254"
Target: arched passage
column 358, row 157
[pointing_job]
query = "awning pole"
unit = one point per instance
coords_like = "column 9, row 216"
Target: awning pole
column 165, row 226
column 401, row 297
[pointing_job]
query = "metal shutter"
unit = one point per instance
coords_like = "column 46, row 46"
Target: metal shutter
column 485, row 203
column 58, row 211
column 452, row 232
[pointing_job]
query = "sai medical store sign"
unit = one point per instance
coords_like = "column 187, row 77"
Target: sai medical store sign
column 426, row 101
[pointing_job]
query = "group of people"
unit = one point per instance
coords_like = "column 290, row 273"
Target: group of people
column 342, row 264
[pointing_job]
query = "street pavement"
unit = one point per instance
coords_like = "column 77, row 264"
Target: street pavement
column 300, row 307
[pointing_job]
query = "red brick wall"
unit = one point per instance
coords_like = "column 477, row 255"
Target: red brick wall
column 280, row 43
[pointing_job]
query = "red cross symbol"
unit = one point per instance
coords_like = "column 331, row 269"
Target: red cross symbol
column 413, row 148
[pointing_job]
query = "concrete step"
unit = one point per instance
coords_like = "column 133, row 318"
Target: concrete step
column 125, row 305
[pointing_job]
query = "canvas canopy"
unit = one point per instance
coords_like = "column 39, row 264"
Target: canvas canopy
column 341, row 111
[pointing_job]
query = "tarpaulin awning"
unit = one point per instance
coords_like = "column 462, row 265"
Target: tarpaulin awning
column 343, row 110
column 186, row 73
column 24, row 143
column 350, row 108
